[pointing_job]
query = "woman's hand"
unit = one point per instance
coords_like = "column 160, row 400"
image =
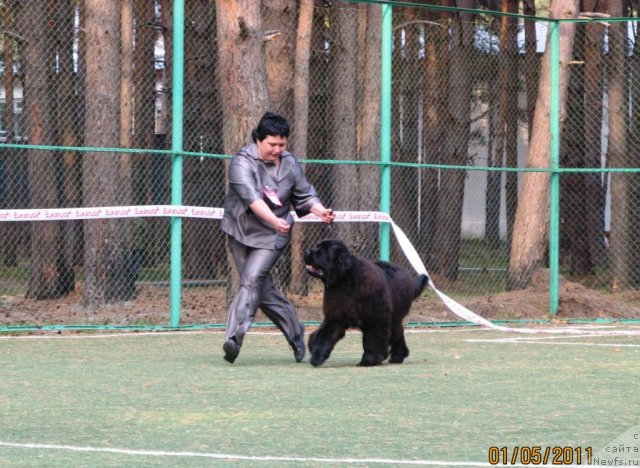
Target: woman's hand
column 281, row 226
column 260, row 208
column 325, row 214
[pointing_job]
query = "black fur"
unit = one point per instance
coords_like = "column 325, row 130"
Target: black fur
column 372, row 296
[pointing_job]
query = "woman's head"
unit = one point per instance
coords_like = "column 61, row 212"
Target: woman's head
column 270, row 137
column 271, row 124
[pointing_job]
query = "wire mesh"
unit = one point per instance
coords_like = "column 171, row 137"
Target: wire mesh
column 85, row 121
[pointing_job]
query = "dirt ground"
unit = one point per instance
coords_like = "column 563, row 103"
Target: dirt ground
column 208, row 305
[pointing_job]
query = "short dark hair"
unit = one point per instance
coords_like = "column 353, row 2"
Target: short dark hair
column 271, row 124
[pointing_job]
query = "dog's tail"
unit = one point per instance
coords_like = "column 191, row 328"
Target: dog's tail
column 419, row 284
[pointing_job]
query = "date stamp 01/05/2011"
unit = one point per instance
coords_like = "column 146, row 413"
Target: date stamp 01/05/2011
column 538, row 455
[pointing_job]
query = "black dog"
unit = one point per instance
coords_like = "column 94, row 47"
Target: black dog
column 374, row 297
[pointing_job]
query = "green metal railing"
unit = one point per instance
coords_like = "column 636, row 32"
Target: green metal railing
column 386, row 164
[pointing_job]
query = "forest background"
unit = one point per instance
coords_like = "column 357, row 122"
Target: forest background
column 86, row 80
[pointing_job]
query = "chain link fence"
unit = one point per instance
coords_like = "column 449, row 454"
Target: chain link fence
column 85, row 122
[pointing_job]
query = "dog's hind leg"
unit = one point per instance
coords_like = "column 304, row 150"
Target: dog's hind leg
column 399, row 349
column 322, row 341
column 375, row 341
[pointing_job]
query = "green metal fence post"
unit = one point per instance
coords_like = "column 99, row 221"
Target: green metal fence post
column 385, row 128
column 554, row 158
column 176, row 159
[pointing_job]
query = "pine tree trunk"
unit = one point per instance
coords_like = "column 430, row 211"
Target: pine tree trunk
column 299, row 279
column 621, row 184
column 106, row 262
column 241, row 78
column 48, row 269
column 530, row 229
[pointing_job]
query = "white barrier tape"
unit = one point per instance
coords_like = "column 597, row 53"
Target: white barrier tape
column 462, row 312
column 150, row 211
column 111, row 212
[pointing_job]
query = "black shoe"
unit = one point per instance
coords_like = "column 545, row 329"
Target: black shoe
column 298, row 345
column 231, row 350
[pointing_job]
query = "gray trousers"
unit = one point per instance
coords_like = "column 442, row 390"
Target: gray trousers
column 257, row 290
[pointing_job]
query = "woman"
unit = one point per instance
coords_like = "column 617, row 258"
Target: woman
column 265, row 182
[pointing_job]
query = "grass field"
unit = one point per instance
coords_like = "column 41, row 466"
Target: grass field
column 168, row 399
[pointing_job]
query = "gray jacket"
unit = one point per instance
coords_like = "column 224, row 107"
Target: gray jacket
column 249, row 179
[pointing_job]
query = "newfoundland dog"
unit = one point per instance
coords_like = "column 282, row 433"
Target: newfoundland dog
column 372, row 296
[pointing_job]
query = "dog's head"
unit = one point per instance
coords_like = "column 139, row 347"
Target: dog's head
column 329, row 260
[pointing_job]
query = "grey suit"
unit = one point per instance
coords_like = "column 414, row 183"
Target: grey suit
column 254, row 245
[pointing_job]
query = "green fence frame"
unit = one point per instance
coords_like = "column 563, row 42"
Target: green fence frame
column 386, row 164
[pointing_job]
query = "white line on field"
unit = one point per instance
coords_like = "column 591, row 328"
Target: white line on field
column 530, row 341
column 224, row 456
column 537, row 338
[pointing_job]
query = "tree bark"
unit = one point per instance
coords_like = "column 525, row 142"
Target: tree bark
column 124, row 282
column 506, row 138
column 69, row 123
column 574, row 233
column 532, row 66
column 241, row 79
column 436, row 61
column 532, row 216
column 593, row 183
column 278, row 18
column 9, row 155
column 408, row 86
column 299, row 279
column 49, row 271
column 369, row 129
column 106, row 263
column 200, row 104
column 343, row 112
column 621, row 241
column 456, row 143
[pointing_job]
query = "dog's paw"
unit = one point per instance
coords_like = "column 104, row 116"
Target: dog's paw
column 317, row 360
column 369, row 361
column 396, row 359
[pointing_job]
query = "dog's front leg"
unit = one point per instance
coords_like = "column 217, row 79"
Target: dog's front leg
column 322, row 341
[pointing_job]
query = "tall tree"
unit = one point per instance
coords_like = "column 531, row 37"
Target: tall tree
column 506, row 138
column 622, row 244
column 299, row 279
column 150, row 173
column 369, row 125
column 406, row 94
column 241, row 69
column 68, row 119
column 456, row 142
column 49, row 271
column 9, row 155
column 532, row 66
column 573, row 233
column 436, row 60
column 200, row 104
column 106, row 254
column 530, row 229
column 343, row 110
column 126, row 112
column 241, row 77
column 278, row 17
column 531, row 78
column 594, row 192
